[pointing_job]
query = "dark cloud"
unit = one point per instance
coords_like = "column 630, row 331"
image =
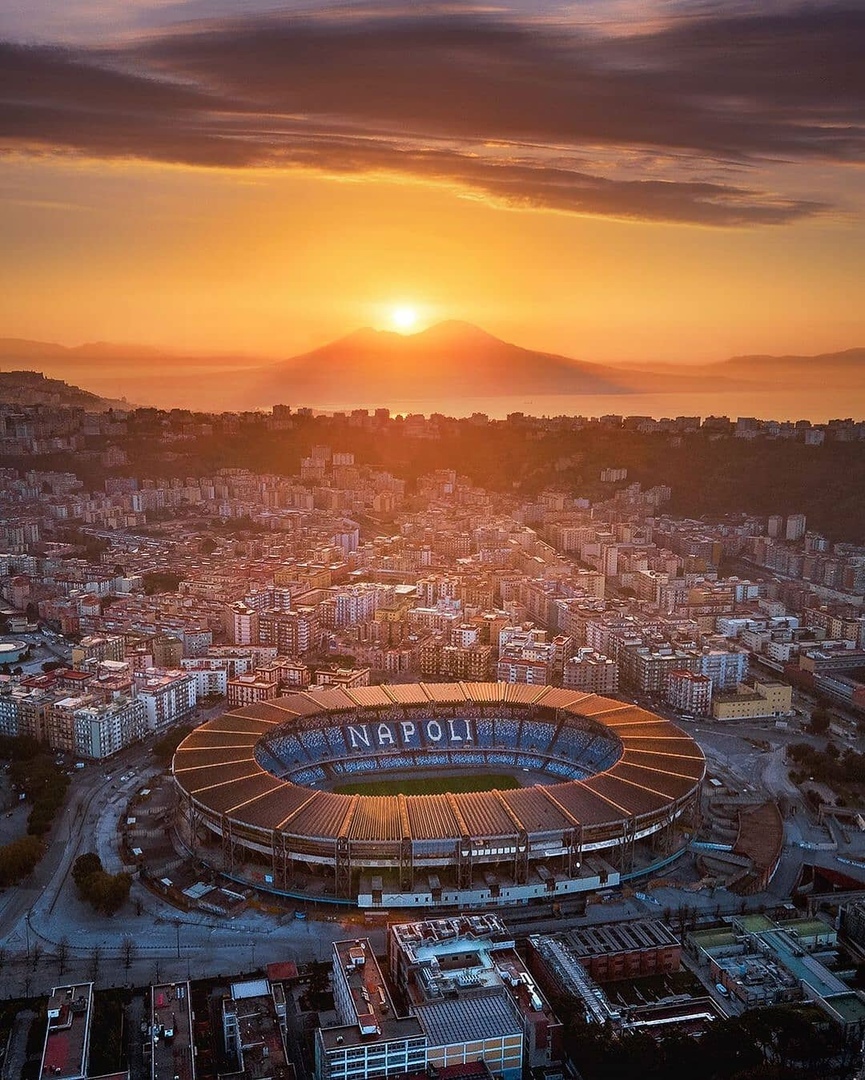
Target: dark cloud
column 429, row 92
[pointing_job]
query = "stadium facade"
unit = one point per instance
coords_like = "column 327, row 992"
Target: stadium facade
column 608, row 791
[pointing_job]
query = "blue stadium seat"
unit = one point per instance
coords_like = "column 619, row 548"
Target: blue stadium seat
column 536, row 735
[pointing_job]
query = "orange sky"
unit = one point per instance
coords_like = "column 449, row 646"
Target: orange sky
column 276, row 257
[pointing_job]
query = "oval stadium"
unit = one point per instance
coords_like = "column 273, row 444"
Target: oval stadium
column 586, row 792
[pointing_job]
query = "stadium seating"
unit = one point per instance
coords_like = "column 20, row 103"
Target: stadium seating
column 286, row 748
column 484, row 731
column 309, row 754
column 571, row 742
column 314, row 741
column 465, row 757
column 336, row 741
column 505, row 732
column 307, row 777
column 502, row 757
column 536, row 735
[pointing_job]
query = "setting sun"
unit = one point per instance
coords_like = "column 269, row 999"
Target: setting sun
column 403, row 317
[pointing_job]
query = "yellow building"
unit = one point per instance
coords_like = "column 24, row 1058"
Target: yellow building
column 750, row 702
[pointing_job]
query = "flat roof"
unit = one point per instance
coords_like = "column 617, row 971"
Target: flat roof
column 808, row 927
column 67, row 1036
column 401, row 1027
column 850, row 1006
column 376, row 1017
column 482, row 1015
column 172, row 1056
column 261, row 1044
column 608, row 938
column 713, row 939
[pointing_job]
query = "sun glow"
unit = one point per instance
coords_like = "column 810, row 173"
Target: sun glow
column 404, row 317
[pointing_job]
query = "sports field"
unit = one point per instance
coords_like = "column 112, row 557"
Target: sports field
column 431, row 785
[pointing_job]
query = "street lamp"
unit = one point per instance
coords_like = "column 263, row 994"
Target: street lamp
column 177, row 930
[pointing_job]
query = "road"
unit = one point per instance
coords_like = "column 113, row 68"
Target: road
column 36, row 917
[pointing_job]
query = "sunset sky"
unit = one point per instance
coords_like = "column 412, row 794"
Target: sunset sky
column 609, row 179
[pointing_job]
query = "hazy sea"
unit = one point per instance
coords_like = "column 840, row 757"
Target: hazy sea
column 818, row 406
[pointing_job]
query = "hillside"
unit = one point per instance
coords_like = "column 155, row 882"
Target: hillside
column 30, row 388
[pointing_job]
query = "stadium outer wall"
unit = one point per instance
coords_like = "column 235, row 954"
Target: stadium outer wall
column 542, row 841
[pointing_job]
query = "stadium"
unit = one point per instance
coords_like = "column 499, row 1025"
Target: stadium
column 598, row 791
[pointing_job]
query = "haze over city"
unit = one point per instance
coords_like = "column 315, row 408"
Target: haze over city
column 432, row 540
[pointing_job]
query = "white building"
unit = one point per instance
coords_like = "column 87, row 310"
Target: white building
column 725, row 669
column 209, row 678
column 795, row 527
column 168, row 696
column 103, row 730
column 372, row 1040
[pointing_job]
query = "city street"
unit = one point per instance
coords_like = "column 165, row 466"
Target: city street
column 45, row 916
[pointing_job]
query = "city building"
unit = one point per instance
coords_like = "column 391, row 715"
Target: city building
column 591, row 672
column 253, row 1025
column 370, row 1038
column 795, row 527
column 689, row 692
column 66, row 1050
column 168, row 696
column 762, row 962
column 725, row 668
column 103, row 729
column 344, row 677
column 242, row 624
column 95, row 647
column 852, row 923
column 627, row 950
column 760, row 698
column 210, row 681
column 60, row 721
column 172, row 1053
column 646, row 669
column 250, row 689
column 468, row 967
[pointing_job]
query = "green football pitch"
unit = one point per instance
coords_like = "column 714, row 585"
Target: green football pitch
column 430, row 785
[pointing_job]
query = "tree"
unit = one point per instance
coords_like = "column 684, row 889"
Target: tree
column 160, row 581
column 129, row 950
column 62, row 954
column 84, row 867
column 163, row 749
column 18, row 859
column 820, row 720
column 106, row 892
column 94, row 962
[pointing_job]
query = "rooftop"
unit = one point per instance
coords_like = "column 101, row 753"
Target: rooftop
column 374, row 1015
column 171, row 1032
column 467, row 1019
column 67, row 1036
column 625, row 937
column 260, row 1045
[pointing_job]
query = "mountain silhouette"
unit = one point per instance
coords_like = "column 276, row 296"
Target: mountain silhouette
column 448, row 360
column 435, row 368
